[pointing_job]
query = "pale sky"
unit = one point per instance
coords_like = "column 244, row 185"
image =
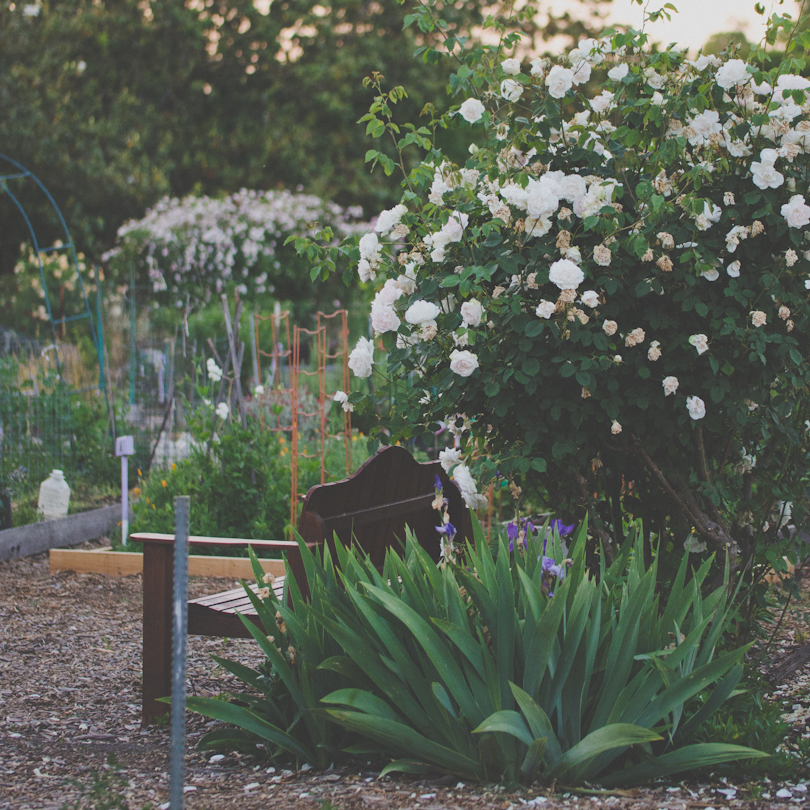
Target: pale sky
column 696, row 20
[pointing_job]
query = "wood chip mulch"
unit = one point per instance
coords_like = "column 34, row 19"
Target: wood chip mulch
column 70, row 669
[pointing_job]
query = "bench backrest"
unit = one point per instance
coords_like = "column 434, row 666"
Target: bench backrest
column 374, row 505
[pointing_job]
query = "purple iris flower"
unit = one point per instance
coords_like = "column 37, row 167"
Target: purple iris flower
column 555, row 570
column 437, row 483
column 513, row 531
column 561, row 528
column 449, row 529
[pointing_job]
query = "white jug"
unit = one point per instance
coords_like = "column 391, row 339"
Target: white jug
column 54, row 496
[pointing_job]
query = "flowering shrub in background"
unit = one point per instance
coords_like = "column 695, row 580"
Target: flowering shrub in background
column 609, row 296
column 198, row 245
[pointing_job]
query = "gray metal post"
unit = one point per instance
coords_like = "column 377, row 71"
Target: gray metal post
column 254, row 349
column 179, row 634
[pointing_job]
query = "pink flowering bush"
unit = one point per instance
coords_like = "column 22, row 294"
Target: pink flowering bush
column 630, row 235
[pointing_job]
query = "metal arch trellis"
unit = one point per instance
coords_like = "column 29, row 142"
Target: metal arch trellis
column 21, row 173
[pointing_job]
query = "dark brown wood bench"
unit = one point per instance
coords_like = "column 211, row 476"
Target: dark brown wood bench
column 370, row 508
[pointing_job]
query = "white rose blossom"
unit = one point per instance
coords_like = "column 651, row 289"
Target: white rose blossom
column 617, row 73
column 559, row 81
column 421, row 311
column 472, row 110
column 343, row 398
column 700, row 342
column 472, row 312
column 214, row 371
column 696, row 407
column 384, row 318
column 654, row 352
column 545, row 309
column 449, row 457
column 223, row 410
column 610, row 327
column 670, row 385
column 362, row 358
column 463, row 362
column 565, row 274
column 511, row 90
column 796, row 212
column 388, row 220
column 732, row 73
column 590, row 298
column 511, row 66
column 469, row 490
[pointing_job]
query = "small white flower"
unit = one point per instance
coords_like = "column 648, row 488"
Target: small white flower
column 472, row 110
column 615, row 428
column 764, row 175
column 463, row 362
column 362, row 358
column 734, row 269
column 223, row 410
column 258, row 390
column 449, row 457
column 654, row 352
column 619, row 72
column 610, row 327
column 511, row 66
column 343, row 398
column 511, row 90
column 700, row 342
column 670, row 385
column 539, row 66
column 421, row 312
column 565, row 274
column 559, row 81
column 590, row 298
column 758, row 318
column 602, row 255
column 545, row 309
column 472, row 312
column 696, row 407
column 796, row 212
column 732, row 73
column 214, row 371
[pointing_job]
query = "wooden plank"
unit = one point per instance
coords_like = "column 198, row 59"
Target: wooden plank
column 157, row 630
column 127, row 563
column 200, row 540
column 69, row 531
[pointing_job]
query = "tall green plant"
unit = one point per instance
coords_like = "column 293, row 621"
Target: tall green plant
column 506, row 666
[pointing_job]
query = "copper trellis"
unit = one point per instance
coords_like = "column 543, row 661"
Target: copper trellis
column 292, row 357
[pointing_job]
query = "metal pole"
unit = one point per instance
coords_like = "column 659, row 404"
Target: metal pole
column 254, row 350
column 124, row 499
column 133, row 322
column 179, row 633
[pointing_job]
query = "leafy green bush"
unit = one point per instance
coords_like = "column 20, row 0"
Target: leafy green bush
column 510, row 666
column 239, row 481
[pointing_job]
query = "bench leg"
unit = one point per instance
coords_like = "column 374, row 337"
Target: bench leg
column 158, row 572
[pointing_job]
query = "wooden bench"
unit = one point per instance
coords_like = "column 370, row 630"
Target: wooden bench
column 370, row 508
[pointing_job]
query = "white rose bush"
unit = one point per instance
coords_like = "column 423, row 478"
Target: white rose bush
column 611, row 285
column 198, row 246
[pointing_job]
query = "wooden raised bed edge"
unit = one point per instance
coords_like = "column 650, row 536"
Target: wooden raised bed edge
column 126, row 563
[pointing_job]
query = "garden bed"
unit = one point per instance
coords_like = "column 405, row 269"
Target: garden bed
column 128, row 563
column 70, row 655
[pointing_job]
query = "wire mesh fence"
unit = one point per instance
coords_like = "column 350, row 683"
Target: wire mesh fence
column 35, row 420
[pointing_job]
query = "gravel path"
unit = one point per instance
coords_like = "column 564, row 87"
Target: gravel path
column 70, row 667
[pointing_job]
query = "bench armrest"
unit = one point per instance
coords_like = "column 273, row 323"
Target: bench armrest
column 196, row 540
